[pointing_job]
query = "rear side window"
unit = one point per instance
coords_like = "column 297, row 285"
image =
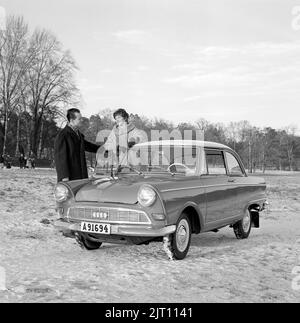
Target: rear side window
column 234, row 167
column 215, row 163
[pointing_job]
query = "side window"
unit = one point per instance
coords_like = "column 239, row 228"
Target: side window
column 215, row 163
column 234, row 167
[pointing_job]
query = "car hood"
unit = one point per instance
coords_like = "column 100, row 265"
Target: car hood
column 122, row 190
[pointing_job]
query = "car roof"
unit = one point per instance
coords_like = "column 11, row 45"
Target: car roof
column 199, row 143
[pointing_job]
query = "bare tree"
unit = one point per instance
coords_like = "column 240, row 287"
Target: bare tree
column 50, row 80
column 288, row 142
column 202, row 124
column 232, row 133
column 14, row 61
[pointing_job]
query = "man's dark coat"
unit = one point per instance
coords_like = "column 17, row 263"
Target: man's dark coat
column 69, row 154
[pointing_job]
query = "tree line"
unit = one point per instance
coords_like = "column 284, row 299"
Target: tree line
column 259, row 148
column 37, row 84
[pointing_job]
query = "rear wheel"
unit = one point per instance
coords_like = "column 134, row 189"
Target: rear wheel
column 86, row 243
column 243, row 227
column 181, row 238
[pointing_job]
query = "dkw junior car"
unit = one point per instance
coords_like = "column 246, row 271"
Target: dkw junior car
column 165, row 191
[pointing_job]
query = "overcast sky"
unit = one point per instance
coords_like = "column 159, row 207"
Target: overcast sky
column 222, row 60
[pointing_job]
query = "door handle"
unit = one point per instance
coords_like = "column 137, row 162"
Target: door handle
column 231, row 180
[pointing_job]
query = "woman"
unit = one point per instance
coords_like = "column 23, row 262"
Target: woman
column 123, row 136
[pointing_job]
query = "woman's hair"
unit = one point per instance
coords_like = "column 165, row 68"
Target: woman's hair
column 122, row 113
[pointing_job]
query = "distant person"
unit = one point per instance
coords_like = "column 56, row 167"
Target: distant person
column 25, row 162
column 28, row 163
column 32, row 158
column 7, row 161
column 22, row 161
column 69, row 149
column 52, row 164
column 2, row 161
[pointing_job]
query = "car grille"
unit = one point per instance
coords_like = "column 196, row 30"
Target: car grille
column 106, row 214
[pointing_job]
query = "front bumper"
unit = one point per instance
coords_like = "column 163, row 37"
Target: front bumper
column 121, row 229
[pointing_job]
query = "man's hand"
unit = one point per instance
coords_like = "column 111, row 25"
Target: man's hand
column 65, row 179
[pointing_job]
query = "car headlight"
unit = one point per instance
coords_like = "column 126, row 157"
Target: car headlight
column 146, row 196
column 61, row 193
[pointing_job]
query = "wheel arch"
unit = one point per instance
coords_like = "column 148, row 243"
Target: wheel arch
column 254, row 207
column 254, row 204
column 195, row 216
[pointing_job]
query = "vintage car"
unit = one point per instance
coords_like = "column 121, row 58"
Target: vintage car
column 165, row 191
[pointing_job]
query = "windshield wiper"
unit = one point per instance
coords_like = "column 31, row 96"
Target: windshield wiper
column 120, row 167
column 161, row 168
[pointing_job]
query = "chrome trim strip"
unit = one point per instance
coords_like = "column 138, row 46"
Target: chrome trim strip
column 108, row 209
column 145, row 233
column 108, row 222
column 205, row 186
column 121, row 230
column 68, row 218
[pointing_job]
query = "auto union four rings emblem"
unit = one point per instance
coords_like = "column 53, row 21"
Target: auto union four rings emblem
column 100, row 215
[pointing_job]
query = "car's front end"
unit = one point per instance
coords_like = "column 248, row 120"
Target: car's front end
column 139, row 218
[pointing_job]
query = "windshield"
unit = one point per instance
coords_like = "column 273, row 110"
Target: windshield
column 177, row 159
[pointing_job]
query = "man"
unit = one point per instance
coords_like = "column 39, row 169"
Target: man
column 69, row 149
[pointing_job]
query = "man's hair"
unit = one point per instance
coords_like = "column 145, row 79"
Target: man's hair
column 71, row 114
column 122, row 113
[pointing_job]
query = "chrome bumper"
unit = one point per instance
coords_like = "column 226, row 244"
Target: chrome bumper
column 121, row 229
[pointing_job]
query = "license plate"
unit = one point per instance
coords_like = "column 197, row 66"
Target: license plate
column 92, row 227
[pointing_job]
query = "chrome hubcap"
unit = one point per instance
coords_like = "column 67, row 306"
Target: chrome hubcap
column 246, row 222
column 182, row 235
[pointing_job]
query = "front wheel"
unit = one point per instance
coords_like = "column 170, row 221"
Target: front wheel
column 86, row 243
column 243, row 227
column 181, row 238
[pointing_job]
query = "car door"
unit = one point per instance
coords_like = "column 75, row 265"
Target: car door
column 220, row 199
column 237, row 176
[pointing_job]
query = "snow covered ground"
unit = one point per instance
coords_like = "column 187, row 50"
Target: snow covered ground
column 41, row 265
